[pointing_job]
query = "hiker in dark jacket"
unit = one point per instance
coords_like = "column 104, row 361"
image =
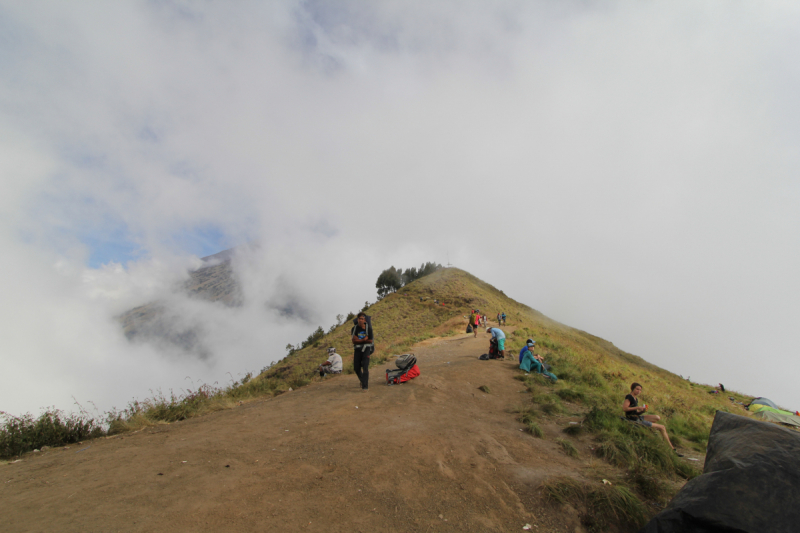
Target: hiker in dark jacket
column 363, row 346
column 633, row 412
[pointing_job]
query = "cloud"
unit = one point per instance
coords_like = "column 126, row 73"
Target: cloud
column 626, row 169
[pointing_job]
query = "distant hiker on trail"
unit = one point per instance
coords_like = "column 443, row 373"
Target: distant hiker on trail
column 498, row 319
column 484, row 320
column 503, row 316
column 500, row 338
column 363, row 345
column 634, row 413
column 333, row 365
column 476, row 322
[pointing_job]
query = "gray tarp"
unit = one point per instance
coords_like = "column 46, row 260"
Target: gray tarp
column 750, row 483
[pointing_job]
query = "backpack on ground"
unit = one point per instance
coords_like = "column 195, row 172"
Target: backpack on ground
column 494, row 353
column 407, row 369
column 405, row 361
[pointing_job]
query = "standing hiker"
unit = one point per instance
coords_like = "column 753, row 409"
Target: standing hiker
column 503, row 316
column 363, row 346
column 476, row 322
column 498, row 319
column 333, row 365
column 500, row 337
column 633, row 412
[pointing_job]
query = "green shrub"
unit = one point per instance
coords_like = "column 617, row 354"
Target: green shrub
column 23, row 434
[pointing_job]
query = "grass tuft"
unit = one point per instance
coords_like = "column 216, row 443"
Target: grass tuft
column 568, row 447
column 605, row 505
column 528, row 417
column 485, row 388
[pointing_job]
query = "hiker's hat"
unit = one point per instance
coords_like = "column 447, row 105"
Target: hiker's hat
column 530, row 342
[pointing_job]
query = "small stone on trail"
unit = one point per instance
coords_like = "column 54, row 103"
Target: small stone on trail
column 227, row 466
column 159, row 474
column 526, row 526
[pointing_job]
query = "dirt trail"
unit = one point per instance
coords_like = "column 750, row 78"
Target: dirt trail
column 434, row 454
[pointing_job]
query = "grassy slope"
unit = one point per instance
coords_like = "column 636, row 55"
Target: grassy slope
column 591, row 369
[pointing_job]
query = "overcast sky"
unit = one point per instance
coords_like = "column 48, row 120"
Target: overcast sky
column 627, row 168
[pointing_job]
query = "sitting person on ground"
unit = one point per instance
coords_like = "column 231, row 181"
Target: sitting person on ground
column 633, row 412
column 500, row 337
column 333, row 365
column 530, row 344
column 531, row 362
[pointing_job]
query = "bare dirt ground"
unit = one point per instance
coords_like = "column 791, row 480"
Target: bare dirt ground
column 433, row 454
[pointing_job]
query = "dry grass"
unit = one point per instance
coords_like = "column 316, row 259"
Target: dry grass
column 600, row 505
column 568, row 447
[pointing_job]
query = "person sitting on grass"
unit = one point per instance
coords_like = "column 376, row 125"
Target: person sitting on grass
column 500, row 337
column 333, row 365
column 530, row 362
column 530, row 344
column 633, row 412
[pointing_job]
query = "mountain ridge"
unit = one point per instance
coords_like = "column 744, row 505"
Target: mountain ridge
column 574, row 423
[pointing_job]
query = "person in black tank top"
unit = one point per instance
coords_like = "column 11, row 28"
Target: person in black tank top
column 634, row 412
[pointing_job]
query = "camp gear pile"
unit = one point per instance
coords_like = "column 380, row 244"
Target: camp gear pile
column 765, row 409
column 750, row 482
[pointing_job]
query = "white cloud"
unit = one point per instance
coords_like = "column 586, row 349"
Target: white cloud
column 630, row 170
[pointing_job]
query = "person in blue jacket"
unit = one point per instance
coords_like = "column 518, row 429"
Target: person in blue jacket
column 530, row 344
column 500, row 337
